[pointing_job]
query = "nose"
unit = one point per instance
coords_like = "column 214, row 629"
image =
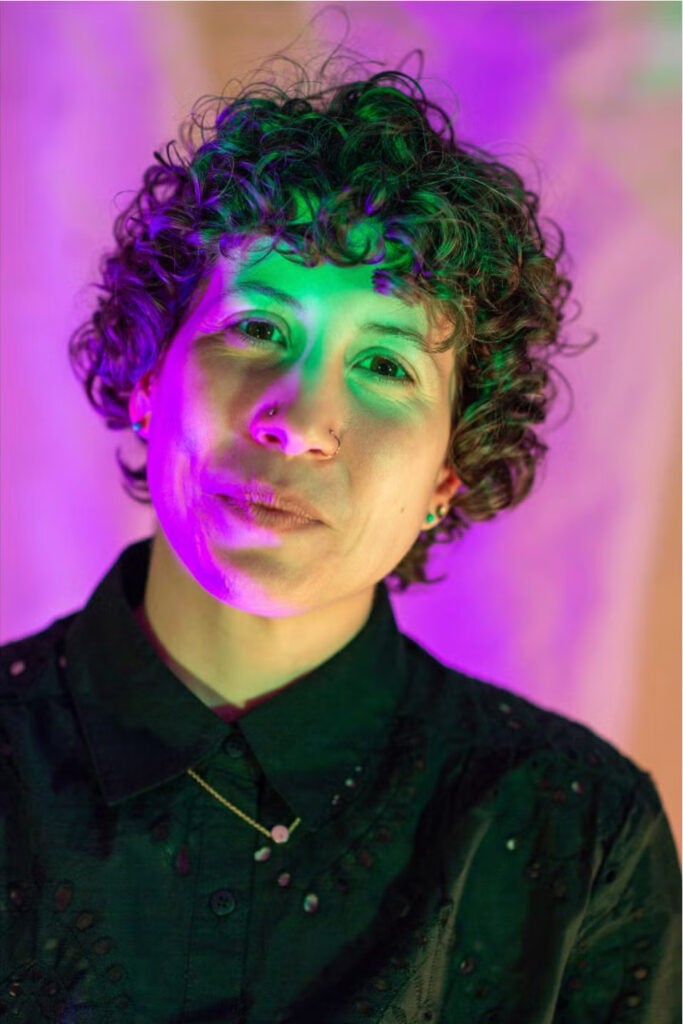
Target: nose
column 298, row 423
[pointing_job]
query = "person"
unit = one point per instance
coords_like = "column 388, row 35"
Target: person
column 232, row 790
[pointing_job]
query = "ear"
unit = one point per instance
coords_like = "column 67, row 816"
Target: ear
column 140, row 404
column 447, row 484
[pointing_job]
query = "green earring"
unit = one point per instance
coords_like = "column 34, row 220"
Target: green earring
column 430, row 518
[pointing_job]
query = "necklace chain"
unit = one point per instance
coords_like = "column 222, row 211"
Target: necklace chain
column 236, row 810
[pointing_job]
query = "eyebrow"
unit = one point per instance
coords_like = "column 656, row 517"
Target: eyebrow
column 267, row 289
column 385, row 329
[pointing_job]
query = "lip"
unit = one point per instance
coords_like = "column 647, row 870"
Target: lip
column 260, row 498
column 267, row 516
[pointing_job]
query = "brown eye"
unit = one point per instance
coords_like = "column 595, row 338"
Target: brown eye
column 258, row 331
column 262, row 330
column 383, row 366
column 386, row 367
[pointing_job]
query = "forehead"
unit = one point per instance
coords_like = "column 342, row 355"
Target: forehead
column 255, row 269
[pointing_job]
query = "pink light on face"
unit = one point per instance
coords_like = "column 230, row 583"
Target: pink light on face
column 333, row 356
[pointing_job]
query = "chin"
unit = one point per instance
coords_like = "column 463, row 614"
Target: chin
column 259, row 589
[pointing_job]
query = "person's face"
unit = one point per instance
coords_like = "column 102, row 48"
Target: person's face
column 333, row 355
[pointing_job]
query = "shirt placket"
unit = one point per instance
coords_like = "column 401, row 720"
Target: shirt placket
column 224, row 846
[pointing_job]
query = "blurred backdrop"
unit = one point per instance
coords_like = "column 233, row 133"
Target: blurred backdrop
column 572, row 600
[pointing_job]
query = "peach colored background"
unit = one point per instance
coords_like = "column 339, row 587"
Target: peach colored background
column 574, row 598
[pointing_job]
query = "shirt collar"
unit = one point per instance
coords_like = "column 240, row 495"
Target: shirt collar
column 314, row 740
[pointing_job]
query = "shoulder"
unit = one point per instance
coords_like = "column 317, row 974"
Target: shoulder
column 506, row 735
column 28, row 660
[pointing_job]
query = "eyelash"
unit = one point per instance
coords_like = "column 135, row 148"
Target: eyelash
column 256, row 342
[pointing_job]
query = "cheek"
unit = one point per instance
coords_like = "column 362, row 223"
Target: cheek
column 399, row 465
column 218, row 395
column 185, row 419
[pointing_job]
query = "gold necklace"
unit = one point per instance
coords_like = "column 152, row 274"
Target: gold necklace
column 278, row 833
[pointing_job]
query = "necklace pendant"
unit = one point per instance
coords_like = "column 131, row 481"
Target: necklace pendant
column 279, row 834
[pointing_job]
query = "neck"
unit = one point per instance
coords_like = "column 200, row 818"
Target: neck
column 226, row 655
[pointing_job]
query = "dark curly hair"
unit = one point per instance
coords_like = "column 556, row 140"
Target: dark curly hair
column 453, row 225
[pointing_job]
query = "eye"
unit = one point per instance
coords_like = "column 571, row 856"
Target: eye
column 387, row 368
column 259, row 331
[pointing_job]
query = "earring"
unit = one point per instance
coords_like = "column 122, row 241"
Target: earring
column 138, row 425
column 441, row 511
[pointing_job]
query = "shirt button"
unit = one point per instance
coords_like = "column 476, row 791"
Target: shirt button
column 222, row 902
column 234, row 746
column 311, row 903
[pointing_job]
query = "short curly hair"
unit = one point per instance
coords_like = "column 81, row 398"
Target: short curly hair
column 453, row 226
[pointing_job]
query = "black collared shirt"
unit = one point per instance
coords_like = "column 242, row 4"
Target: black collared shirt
column 462, row 856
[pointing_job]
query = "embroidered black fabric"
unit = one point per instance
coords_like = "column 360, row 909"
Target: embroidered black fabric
column 464, row 856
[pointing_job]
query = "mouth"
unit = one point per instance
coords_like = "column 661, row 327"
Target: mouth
column 269, row 513
column 263, row 500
